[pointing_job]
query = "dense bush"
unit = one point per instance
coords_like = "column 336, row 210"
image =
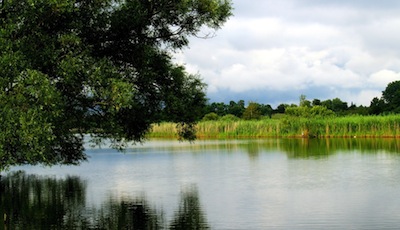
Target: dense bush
column 210, row 117
column 229, row 117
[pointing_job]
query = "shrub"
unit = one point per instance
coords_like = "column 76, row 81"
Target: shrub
column 230, row 117
column 210, row 117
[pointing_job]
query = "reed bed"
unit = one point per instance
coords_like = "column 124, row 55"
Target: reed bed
column 348, row 126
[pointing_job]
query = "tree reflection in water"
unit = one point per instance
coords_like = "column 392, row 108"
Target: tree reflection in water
column 30, row 202
column 190, row 215
column 126, row 214
column 34, row 202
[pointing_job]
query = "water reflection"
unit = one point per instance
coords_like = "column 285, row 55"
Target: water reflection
column 126, row 214
column 190, row 215
column 39, row 202
column 313, row 148
column 238, row 184
column 292, row 147
column 30, row 202
column 321, row 148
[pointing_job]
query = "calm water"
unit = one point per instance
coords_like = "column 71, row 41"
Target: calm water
column 219, row 184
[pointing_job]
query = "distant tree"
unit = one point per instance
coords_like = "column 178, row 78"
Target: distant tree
column 266, row 110
column 281, row 108
column 354, row 109
column 252, row 112
column 210, row 117
column 317, row 111
column 236, row 109
column 391, row 96
column 362, row 110
column 241, row 103
column 339, row 105
column 298, row 111
column 327, row 104
column 377, row 106
column 303, row 101
column 321, row 111
column 316, row 102
column 335, row 105
column 219, row 108
column 302, row 98
column 229, row 117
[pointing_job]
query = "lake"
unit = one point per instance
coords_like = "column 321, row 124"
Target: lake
column 213, row 184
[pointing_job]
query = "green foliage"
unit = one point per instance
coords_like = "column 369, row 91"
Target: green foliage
column 336, row 105
column 210, row 117
column 316, row 102
column 222, row 109
column 281, row 108
column 377, row 106
column 186, row 131
column 236, row 109
column 347, row 126
column 290, row 126
column 309, row 112
column 298, row 111
column 219, row 108
column 391, row 96
column 30, row 111
column 230, row 117
column 265, row 110
column 70, row 67
column 252, row 112
column 303, row 102
column 321, row 111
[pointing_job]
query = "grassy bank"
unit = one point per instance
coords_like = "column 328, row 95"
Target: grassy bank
column 348, row 126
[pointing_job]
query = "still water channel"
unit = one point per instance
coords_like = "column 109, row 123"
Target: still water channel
column 215, row 184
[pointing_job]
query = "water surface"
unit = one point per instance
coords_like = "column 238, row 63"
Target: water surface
column 215, row 184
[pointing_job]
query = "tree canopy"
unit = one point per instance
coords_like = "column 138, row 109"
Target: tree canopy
column 391, row 96
column 252, row 111
column 71, row 67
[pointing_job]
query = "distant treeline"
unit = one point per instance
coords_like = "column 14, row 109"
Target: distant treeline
column 389, row 103
column 316, row 118
column 254, row 110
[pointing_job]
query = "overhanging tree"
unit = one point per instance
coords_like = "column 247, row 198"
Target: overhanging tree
column 70, row 67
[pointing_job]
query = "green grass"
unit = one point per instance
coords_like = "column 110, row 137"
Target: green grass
column 348, row 126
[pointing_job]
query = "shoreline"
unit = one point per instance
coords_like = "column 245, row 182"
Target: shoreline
column 334, row 127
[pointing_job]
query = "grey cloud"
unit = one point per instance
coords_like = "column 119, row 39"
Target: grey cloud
column 333, row 12
column 275, row 98
column 259, row 8
column 273, row 51
column 359, row 4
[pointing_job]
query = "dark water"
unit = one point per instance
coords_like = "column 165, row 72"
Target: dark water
column 224, row 184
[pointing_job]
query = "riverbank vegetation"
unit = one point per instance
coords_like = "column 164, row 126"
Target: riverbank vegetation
column 316, row 118
column 287, row 126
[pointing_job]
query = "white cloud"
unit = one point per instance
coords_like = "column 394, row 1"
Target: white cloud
column 362, row 97
column 383, row 77
column 345, row 49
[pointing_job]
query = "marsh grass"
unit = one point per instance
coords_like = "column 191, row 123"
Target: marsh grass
column 348, row 126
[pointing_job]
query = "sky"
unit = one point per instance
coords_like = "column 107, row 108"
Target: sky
column 273, row 51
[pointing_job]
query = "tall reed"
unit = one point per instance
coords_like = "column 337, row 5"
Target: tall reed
column 348, row 126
